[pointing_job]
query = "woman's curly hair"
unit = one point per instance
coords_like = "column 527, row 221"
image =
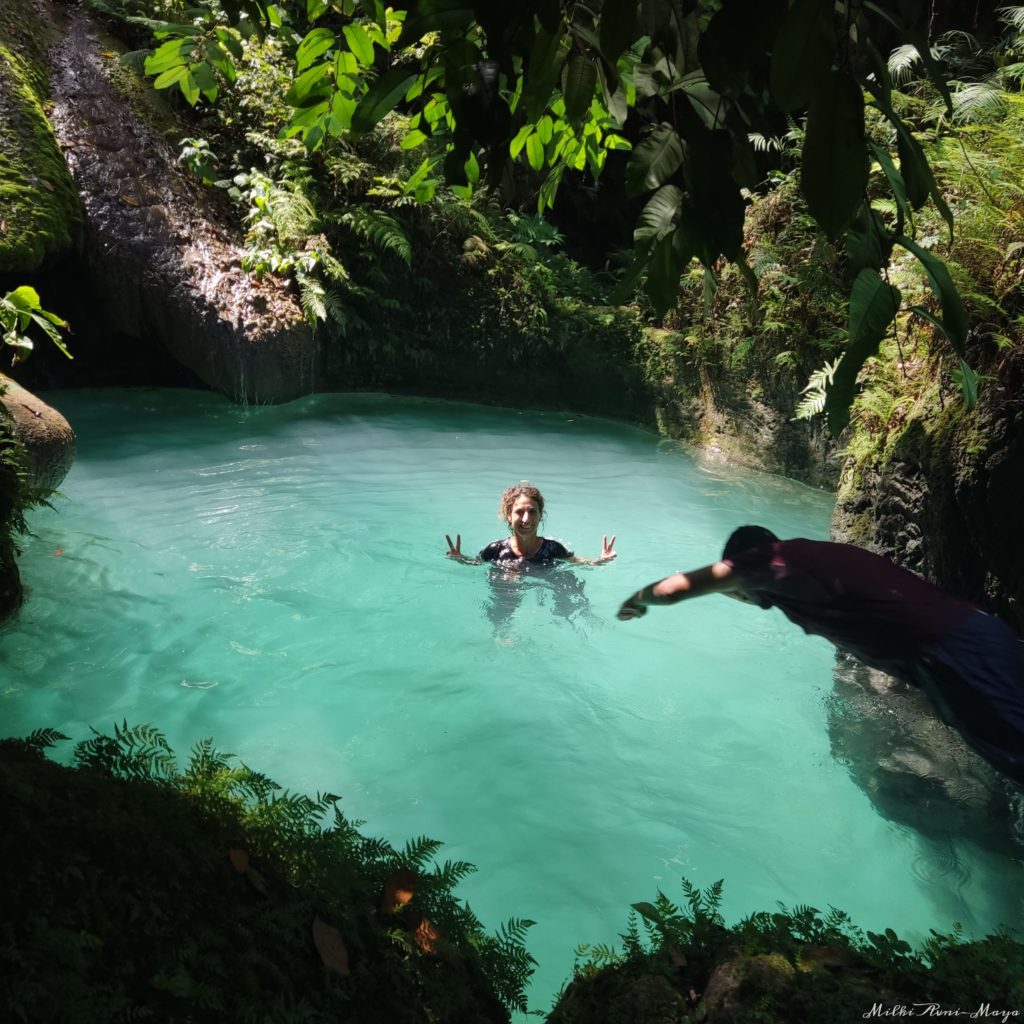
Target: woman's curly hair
column 510, row 494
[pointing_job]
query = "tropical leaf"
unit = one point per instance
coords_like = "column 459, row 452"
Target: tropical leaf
column 578, row 83
column 834, row 172
column 873, row 305
column 954, row 316
column 802, row 53
column 381, row 98
column 654, row 160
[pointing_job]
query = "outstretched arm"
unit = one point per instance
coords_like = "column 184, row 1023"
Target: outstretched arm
column 712, row 579
column 455, row 551
column 608, row 552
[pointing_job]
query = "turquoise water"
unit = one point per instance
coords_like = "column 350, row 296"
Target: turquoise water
column 275, row 578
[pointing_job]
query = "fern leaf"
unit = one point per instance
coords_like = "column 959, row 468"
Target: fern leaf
column 41, row 739
column 380, row 229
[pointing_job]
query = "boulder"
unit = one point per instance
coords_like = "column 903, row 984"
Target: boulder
column 46, row 436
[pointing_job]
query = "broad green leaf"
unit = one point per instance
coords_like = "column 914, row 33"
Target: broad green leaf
column 535, row 152
column 340, row 118
column 873, row 305
column 542, row 71
column 545, row 129
column 230, row 42
column 868, row 243
column 413, row 139
column 954, row 316
column 305, row 118
column 617, row 142
column 316, row 42
column 345, row 65
column 306, row 85
column 617, row 29
column 189, row 88
column 668, row 258
column 169, row 78
column 315, row 9
column 515, row 147
column 381, row 98
column 25, row 297
column 205, row 79
column 472, row 170
column 802, row 53
column 359, row 43
column 896, row 183
column 578, row 83
column 834, row 172
column 172, row 54
column 659, row 215
column 654, row 161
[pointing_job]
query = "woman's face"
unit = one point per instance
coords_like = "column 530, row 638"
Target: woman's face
column 525, row 516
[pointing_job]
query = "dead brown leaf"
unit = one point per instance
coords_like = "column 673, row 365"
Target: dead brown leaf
column 399, row 889
column 129, row 200
column 427, row 936
column 330, row 946
column 239, row 860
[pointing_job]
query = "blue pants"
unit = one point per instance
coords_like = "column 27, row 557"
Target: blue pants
column 975, row 678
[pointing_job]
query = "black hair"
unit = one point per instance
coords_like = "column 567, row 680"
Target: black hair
column 746, row 537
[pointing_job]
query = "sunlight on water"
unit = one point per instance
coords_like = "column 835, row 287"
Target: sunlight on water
column 275, row 578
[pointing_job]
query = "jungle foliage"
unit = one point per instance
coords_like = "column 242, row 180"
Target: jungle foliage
column 793, row 965
column 141, row 888
column 688, row 86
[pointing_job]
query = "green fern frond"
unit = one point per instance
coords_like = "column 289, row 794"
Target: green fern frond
column 417, row 852
column 291, row 212
column 312, row 298
column 41, row 739
column 380, row 229
column 816, row 392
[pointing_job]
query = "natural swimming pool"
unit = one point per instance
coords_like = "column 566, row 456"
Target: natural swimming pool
column 275, row 578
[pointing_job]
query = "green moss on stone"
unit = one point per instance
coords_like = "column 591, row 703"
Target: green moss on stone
column 41, row 214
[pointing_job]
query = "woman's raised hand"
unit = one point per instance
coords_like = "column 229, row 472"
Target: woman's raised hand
column 455, row 550
column 607, row 549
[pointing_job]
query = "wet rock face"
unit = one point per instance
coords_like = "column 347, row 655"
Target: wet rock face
column 160, row 267
column 915, row 770
column 47, row 437
column 948, row 507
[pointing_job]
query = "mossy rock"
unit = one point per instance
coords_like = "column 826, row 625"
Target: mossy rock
column 41, row 211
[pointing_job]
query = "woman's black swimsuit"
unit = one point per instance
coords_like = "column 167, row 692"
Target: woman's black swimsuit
column 501, row 551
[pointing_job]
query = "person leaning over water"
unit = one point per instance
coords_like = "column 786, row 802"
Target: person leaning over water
column 522, row 507
column 969, row 663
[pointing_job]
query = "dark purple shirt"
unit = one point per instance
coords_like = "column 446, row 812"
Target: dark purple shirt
column 862, row 602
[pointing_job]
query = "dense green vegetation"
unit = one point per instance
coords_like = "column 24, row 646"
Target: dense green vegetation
column 791, row 965
column 141, row 889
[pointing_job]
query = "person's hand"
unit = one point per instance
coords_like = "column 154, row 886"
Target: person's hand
column 607, row 549
column 632, row 608
column 455, row 550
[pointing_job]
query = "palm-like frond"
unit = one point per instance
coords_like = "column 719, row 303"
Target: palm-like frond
column 901, row 63
column 978, row 101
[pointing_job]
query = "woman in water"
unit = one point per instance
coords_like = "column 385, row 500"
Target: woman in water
column 525, row 553
column 522, row 507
